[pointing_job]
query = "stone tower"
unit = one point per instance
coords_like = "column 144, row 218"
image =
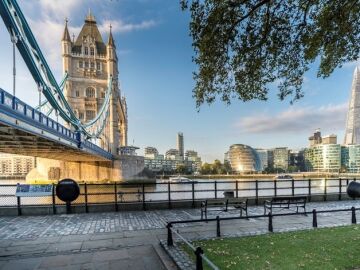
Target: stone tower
column 352, row 132
column 89, row 63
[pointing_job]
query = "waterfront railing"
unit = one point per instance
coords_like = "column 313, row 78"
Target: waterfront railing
column 168, row 193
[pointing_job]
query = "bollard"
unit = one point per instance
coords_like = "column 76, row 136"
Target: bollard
column 270, row 223
column 53, row 199
column 353, row 215
column 314, row 219
column 86, row 199
column 198, row 253
column 217, row 226
column 170, row 241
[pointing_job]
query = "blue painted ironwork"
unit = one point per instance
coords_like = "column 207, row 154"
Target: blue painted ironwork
column 19, row 110
column 38, row 67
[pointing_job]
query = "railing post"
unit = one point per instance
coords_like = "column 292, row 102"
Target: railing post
column 292, row 187
column 275, row 187
column 169, row 195
column 256, row 192
column 270, row 227
column 116, row 201
column 347, row 182
column 143, row 196
column 309, row 189
column 340, row 189
column 325, row 190
column 53, row 199
column 353, row 215
column 217, row 226
column 237, row 189
column 193, row 193
column 215, row 183
column 170, row 241
column 18, row 205
column 86, row 198
column 314, row 218
column 199, row 263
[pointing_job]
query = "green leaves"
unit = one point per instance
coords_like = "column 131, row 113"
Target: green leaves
column 242, row 47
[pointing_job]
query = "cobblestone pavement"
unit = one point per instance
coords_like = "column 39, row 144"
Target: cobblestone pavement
column 123, row 239
column 25, row 227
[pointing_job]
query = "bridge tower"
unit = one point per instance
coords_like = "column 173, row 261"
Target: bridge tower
column 89, row 63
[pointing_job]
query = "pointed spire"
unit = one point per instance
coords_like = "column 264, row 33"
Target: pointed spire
column 66, row 35
column 111, row 41
column 90, row 18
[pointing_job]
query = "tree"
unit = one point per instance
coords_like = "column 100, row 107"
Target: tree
column 243, row 46
column 181, row 168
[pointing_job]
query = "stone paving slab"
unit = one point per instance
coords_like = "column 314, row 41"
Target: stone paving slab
column 129, row 239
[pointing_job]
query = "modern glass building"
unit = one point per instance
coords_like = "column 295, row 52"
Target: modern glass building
column 323, row 158
column 263, row 156
column 350, row 158
column 281, row 158
column 243, row 158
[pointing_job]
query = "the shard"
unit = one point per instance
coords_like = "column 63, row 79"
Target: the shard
column 352, row 132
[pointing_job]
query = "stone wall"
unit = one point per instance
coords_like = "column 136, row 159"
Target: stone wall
column 120, row 169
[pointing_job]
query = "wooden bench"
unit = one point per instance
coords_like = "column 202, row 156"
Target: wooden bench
column 223, row 205
column 285, row 202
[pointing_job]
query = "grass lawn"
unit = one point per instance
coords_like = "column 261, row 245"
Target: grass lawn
column 329, row 248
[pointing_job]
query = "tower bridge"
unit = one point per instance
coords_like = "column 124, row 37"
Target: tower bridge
column 91, row 145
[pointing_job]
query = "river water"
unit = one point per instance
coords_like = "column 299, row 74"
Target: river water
column 200, row 189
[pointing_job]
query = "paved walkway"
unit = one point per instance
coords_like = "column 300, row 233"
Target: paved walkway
column 124, row 239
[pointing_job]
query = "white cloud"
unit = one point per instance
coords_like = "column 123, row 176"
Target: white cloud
column 295, row 120
column 118, row 26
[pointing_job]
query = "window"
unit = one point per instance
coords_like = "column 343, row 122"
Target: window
column 86, row 50
column 92, row 51
column 90, row 114
column 81, row 64
column 98, row 66
column 86, row 64
column 92, row 65
column 90, row 92
column 77, row 93
column 102, row 94
column 81, row 115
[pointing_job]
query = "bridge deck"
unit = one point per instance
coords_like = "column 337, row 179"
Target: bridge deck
column 26, row 131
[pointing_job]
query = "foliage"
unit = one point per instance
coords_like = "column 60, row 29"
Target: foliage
column 330, row 248
column 216, row 168
column 181, row 168
column 242, row 47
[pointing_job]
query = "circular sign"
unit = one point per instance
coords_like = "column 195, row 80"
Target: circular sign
column 67, row 190
column 353, row 190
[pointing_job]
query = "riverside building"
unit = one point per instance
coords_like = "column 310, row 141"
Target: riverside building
column 15, row 165
column 243, row 159
column 324, row 155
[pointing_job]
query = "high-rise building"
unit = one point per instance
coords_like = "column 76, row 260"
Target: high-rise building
column 297, row 160
column 192, row 158
column 352, row 132
column 281, row 158
column 180, row 144
column 90, row 63
column 15, row 165
column 263, row 156
column 151, row 152
column 324, row 156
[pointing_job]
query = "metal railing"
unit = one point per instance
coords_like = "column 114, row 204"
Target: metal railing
column 168, row 193
column 199, row 252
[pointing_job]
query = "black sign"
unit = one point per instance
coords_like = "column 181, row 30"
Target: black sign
column 33, row 190
column 67, row 190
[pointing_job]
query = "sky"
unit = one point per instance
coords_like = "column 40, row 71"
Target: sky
column 155, row 64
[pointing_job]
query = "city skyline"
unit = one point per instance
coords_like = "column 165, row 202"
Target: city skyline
column 153, row 45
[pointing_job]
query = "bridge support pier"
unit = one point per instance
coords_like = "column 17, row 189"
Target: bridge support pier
column 121, row 169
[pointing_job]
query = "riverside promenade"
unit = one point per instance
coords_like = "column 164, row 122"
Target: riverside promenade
column 129, row 239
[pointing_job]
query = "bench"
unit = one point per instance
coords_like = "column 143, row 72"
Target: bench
column 223, row 205
column 285, row 202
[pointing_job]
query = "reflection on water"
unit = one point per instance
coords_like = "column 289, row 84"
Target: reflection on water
column 161, row 191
